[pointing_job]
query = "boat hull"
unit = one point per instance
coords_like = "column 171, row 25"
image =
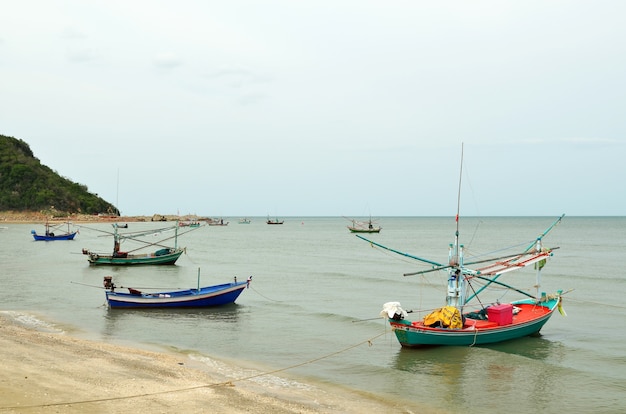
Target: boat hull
column 357, row 230
column 69, row 236
column 169, row 258
column 209, row 296
column 528, row 321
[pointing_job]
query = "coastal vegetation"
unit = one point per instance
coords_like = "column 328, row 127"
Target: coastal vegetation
column 28, row 186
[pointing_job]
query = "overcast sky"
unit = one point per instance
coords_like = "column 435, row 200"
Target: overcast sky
column 323, row 108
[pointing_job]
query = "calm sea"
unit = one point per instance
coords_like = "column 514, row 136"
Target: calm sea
column 317, row 290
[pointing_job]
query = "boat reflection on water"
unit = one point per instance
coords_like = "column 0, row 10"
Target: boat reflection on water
column 153, row 325
column 433, row 361
column 535, row 347
column 437, row 360
column 511, row 371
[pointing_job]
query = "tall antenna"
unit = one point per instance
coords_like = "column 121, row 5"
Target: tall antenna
column 454, row 259
column 117, row 194
column 458, row 202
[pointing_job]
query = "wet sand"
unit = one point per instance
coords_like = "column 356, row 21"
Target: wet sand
column 53, row 372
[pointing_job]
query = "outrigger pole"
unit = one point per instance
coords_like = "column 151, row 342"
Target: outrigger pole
column 530, row 246
column 399, row 252
column 541, row 236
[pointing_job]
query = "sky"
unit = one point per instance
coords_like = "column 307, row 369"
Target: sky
column 324, row 108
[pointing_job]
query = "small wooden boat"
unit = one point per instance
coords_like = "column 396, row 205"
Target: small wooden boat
column 504, row 322
column 463, row 324
column 244, row 220
column 217, row 222
column 364, row 227
column 206, row 296
column 162, row 256
column 166, row 256
column 193, row 223
column 275, row 221
column 55, row 233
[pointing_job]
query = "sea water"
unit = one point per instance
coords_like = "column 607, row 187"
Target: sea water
column 312, row 309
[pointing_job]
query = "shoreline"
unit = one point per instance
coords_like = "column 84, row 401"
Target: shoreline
column 46, row 371
column 29, row 217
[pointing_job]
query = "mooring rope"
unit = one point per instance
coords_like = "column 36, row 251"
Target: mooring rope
column 217, row 384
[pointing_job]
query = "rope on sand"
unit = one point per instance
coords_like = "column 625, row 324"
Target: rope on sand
column 229, row 383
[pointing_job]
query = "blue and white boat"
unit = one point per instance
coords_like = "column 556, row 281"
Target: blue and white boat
column 207, row 296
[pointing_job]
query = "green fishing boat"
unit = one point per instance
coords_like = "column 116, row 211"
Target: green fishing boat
column 164, row 255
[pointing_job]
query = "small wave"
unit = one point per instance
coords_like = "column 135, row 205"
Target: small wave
column 238, row 373
column 31, row 321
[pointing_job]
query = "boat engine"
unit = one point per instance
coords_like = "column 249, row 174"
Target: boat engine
column 108, row 283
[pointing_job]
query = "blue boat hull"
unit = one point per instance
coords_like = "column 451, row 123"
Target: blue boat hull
column 208, row 296
column 69, row 236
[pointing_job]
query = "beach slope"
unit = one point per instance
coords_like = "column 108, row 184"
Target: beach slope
column 49, row 372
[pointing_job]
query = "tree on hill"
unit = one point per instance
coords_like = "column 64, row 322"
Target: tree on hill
column 27, row 185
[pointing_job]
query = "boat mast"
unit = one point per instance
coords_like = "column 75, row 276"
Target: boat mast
column 176, row 235
column 456, row 281
column 116, row 240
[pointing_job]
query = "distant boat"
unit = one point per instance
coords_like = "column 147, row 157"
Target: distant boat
column 163, row 256
column 364, row 227
column 191, row 223
column 275, row 221
column 54, row 233
column 206, row 296
column 244, row 221
column 217, row 222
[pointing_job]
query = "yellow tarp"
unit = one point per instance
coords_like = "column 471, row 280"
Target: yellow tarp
column 446, row 317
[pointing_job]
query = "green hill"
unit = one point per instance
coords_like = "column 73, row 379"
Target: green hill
column 27, row 185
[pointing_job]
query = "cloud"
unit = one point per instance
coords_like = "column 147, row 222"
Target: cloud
column 587, row 140
column 237, row 76
column 73, row 33
column 81, row 55
column 167, row 61
column 251, row 98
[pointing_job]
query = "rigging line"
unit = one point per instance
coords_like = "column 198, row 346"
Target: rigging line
column 474, row 233
column 498, row 288
column 471, row 187
column 217, row 384
column 85, row 284
column 263, row 296
column 458, row 198
column 596, row 303
column 124, row 287
column 94, row 229
column 502, row 284
column 367, row 341
column 542, row 235
column 475, row 295
column 512, row 255
column 148, row 244
column 470, row 253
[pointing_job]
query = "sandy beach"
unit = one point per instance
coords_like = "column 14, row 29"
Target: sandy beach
column 54, row 372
